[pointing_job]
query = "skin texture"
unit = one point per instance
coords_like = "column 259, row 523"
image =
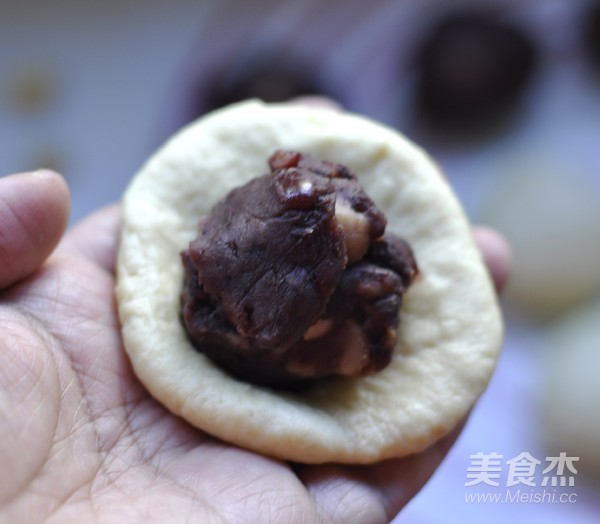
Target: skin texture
column 82, row 441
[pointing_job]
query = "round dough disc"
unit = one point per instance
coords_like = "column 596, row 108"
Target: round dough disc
column 450, row 332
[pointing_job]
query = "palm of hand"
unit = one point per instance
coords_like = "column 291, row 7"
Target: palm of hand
column 82, row 440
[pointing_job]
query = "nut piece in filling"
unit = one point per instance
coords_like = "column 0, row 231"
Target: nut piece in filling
column 292, row 277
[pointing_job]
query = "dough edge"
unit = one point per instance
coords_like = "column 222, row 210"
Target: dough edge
column 443, row 360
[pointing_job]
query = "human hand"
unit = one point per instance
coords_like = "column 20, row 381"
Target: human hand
column 80, row 438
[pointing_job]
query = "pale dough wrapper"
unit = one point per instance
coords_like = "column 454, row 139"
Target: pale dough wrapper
column 450, row 328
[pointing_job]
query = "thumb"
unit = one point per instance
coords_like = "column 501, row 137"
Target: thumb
column 34, row 211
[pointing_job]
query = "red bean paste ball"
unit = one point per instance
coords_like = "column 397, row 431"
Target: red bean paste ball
column 292, row 277
column 591, row 35
column 472, row 68
column 265, row 77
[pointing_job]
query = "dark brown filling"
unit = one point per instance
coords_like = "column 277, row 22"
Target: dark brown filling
column 291, row 277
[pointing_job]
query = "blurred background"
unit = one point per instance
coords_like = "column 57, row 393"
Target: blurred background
column 504, row 94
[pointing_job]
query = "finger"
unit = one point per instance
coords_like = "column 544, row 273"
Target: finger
column 34, row 211
column 97, row 237
column 316, row 101
column 400, row 480
column 378, row 492
column 496, row 254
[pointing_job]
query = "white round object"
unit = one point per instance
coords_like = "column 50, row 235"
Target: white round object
column 551, row 217
column 571, row 397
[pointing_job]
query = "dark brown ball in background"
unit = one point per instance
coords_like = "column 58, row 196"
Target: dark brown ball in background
column 591, row 35
column 472, row 67
column 266, row 78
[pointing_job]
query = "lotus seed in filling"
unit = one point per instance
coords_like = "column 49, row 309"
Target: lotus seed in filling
column 292, row 277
